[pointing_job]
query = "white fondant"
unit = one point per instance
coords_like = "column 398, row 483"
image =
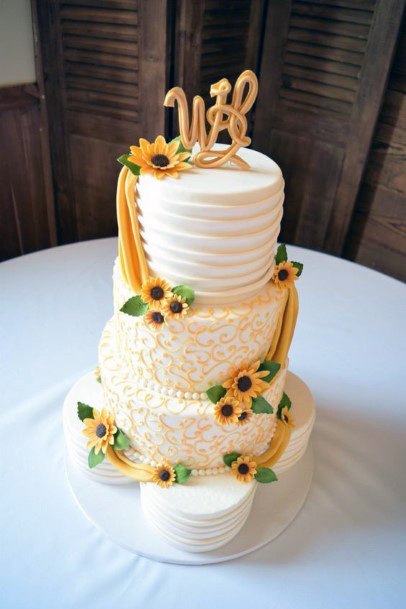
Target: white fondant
column 162, row 427
column 214, row 230
column 199, row 350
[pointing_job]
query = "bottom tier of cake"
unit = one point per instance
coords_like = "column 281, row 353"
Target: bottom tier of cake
column 198, row 517
column 208, row 511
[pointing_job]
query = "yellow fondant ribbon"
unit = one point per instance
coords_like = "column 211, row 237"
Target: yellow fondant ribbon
column 277, row 447
column 131, row 252
column 285, row 329
column 141, row 472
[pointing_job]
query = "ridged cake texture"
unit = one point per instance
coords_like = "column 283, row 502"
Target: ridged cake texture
column 214, row 230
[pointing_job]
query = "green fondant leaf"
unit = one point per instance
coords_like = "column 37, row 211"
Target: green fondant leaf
column 272, row 367
column 182, row 473
column 284, row 403
column 228, row 459
column 85, row 411
column 265, row 475
column 299, row 267
column 281, row 254
column 135, row 169
column 94, row 459
column 184, row 292
column 134, row 306
column 215, row 393
column 98, row 379
column 261, row 406
column 121, row 442
column 181, row 147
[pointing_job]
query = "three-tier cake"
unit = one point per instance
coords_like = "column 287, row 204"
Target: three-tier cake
column 193, row 363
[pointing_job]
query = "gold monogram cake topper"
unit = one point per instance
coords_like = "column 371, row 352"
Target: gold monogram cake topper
column 220, row 116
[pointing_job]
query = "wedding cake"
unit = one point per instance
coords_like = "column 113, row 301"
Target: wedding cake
column 191, row 397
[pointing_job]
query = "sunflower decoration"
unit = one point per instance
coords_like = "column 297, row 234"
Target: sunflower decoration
column 158, row 302
column 285, row 272
column 284, row 275
column 287, row 418
column 154, row 318
column 246, row 382
column 175, row 307
column 227, row 411
column 244, row 468
column 159, row 159
column 164, row 475
column 245, row 416
column 100, row 430
column 155, row 291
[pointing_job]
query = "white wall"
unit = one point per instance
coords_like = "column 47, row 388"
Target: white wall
column 16, row 43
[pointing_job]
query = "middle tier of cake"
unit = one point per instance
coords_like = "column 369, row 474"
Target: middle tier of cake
column 190, row 354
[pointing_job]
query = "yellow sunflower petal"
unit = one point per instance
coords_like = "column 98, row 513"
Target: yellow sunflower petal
column 182, row 166
column 172, row 148
column 160, row 144
column 182, row 156
column 172, row 173
column 145, row 146
column 136, row 157
column 147, row 169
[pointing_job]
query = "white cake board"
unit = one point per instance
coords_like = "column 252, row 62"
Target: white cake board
column 116, row 510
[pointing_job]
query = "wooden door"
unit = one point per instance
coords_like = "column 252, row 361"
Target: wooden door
column 323, row 74
column 105, row 66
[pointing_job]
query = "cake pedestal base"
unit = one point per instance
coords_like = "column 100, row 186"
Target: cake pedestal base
column 116, row 510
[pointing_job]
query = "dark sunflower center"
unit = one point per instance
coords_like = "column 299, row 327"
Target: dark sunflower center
column 283, row 275
column 227, row 410
column 157, row 293
column 164, row 475
column 243, row 416
column 160, row 160
column 176, row 306
column 157, row 317
column 101, row 430
column 243, row 469
column 244, row 383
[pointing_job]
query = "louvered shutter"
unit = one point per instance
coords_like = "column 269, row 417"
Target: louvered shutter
column 104, row 57
column 323, row 72
column 215, row 39
column 377, row 235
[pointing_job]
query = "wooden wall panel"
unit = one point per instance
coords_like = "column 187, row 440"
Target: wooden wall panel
column 26, row 222
column 323, row 72
column 377, row 235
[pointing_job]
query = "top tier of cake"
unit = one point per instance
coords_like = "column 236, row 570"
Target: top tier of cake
column 215, row 231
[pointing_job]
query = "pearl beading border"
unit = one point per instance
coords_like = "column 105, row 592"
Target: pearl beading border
column 170, row 391
column 136, row 457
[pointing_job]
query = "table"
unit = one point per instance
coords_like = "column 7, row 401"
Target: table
column 347, row 546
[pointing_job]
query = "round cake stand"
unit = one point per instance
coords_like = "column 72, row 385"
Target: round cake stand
column 116, row 510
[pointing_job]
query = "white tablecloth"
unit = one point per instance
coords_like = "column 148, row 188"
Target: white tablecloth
column 347, row 546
